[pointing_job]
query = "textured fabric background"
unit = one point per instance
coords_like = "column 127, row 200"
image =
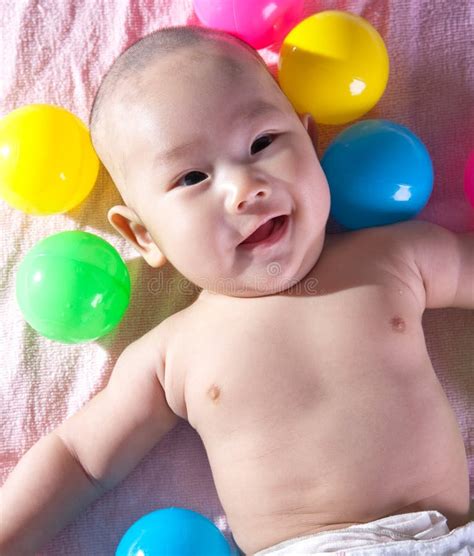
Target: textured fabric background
column 57, row 52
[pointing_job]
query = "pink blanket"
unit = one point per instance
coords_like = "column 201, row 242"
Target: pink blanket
column 57, row 52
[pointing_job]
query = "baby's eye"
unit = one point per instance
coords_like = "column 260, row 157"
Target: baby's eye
column 191, row 178
column 261, row 143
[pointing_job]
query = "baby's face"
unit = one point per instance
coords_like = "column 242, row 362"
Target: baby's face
column 208, row 153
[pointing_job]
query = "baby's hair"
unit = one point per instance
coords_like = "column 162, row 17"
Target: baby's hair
column 129, row 65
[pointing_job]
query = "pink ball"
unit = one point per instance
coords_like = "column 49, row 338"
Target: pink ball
column 260, row 23
column 469, row 179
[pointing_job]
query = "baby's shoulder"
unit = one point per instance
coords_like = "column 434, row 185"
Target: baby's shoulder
column 147, row 355
column 359, row 242
column 379, row 253
column 144, row 354
column 164, row 332
column 172, row 331
column 370, row 245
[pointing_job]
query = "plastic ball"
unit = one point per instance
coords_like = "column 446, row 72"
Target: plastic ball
column 379, row 173
column 173, row 532
column 469, row 179
column 47, row 162
column 260, row 23
column 333, row 65
column 73, row 287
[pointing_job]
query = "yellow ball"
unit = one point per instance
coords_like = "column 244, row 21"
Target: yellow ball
column 47, row 162
column 333, row 65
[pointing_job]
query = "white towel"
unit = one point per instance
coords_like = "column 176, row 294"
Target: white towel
column 412, row 534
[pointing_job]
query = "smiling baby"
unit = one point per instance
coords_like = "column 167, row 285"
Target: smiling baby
column 302, row 364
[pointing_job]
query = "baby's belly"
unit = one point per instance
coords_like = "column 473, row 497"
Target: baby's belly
column 381, row 444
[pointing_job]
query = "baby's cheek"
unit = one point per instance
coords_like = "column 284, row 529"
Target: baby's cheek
column 284, row 164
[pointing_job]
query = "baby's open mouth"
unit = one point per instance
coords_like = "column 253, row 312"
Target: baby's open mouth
column 268, row 232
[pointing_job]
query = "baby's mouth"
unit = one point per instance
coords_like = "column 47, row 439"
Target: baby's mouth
column 265, row 231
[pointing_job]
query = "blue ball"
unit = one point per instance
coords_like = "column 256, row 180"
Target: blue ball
column 173, row 532
column 379, row 173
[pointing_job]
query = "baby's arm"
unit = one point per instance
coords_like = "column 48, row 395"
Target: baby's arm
column 89, row 453
column 439, row 263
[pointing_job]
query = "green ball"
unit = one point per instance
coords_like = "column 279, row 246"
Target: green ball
column 73, row 287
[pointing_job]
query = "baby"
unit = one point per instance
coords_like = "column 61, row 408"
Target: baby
column 302, row 364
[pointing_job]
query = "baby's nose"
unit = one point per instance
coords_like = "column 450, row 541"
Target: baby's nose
column 244, row 189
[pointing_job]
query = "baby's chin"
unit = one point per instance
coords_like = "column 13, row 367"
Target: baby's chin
column 274, row 277
column 256, row 286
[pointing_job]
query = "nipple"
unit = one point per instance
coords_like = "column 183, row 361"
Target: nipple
column 214, row 392
column 398, row 324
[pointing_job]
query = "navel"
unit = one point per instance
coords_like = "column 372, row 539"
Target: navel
column 214, row 392
column 398, row 324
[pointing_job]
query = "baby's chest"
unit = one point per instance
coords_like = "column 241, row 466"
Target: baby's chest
column 284, row 352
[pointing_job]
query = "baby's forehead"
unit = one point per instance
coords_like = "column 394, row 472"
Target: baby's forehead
column 198, row 70
column 189, row 86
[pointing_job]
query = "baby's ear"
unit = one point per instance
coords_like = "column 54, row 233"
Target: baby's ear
column 129, row 226
column 310, row 125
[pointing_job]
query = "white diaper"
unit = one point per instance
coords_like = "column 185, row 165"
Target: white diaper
column 424, row 533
